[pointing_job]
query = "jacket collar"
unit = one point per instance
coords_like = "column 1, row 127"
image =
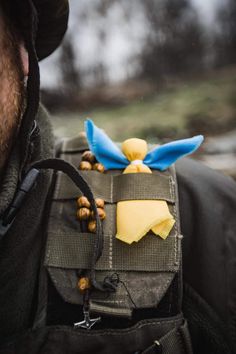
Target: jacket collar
column 42, row 148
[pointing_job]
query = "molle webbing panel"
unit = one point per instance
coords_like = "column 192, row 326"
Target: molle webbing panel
column 146, row 269
column 116, row 256
column 121, row 187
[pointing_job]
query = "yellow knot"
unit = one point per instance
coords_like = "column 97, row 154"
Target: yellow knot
column 135, row 151
column 135, row 218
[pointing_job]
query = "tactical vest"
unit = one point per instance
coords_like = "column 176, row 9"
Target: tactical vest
column 143, row 313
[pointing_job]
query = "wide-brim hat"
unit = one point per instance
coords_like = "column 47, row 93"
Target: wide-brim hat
column 52, row 25
column 50, row 17
column 42, row 25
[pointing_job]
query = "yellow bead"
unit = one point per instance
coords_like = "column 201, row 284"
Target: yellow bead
column 92, row 226
column 99, row 203
column 85, row 166
column 83, row 214
column 84, row 284
column 99, row 167
column 83, row 202
column 88, row 156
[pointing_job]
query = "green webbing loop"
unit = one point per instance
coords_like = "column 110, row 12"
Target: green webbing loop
column 113, row 189
column 75, row 250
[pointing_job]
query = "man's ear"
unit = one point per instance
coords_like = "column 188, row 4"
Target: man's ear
column 25, row 59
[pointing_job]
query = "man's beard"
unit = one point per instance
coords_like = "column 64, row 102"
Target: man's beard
column 12, row 92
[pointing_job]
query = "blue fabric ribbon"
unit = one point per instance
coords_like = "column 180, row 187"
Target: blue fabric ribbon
column 159, row 158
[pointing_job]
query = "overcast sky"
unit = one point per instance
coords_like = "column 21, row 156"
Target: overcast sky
column 122, row 40
column 207, row 9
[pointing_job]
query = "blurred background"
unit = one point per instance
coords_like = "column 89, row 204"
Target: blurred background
column 153, row 69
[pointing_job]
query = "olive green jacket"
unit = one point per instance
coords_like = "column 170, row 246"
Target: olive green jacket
column 21, row 249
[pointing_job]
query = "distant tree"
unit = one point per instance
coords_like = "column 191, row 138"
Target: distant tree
column 225, row 42
column 99, row 74
column 174, row 44
column 71, row 78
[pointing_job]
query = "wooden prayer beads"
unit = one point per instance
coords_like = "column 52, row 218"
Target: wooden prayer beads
column 99, row 167
column 99, row 203
column 101, row 213
column 85, row 214
column 88, row 156
column 89, row 163
column 92, row 226
column 84, row 284
column 83, row 202
column 85, row 166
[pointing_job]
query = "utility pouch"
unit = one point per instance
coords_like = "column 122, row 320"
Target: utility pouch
column 148, row 270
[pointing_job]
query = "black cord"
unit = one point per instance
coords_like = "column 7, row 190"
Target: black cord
column 112, row 281
column 73, row 173
column 127, row 290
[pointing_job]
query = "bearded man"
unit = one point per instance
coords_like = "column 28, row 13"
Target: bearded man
column 14, row 68
column 37, row 320
column 25, row 136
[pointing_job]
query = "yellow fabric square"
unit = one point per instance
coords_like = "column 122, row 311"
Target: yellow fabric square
column 135, row 218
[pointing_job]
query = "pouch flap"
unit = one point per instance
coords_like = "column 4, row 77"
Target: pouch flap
column 75, row 251
column 120, row 187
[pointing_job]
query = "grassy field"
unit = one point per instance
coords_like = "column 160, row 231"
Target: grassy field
column 212, row 99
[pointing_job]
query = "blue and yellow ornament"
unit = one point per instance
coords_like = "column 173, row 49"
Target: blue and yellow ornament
column 134, row 158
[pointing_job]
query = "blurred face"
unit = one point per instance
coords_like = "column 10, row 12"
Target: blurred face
column 13, row 69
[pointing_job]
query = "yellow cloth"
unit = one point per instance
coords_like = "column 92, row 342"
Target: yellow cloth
column 136, row 217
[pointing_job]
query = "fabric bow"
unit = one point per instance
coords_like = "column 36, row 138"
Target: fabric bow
column 134, row 157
